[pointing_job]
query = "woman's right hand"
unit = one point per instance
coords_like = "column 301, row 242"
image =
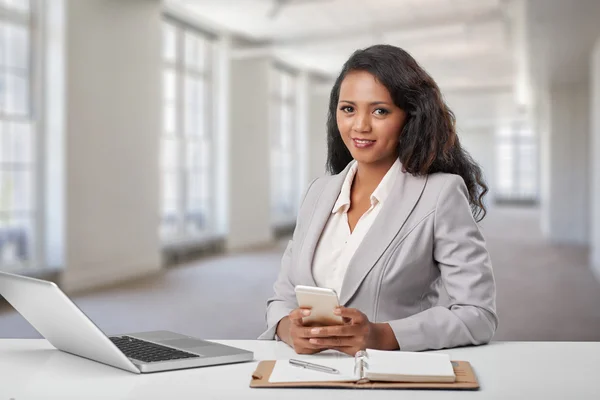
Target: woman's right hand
column 292, row 331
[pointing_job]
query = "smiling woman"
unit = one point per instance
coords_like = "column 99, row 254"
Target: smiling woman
column 394, row 225
column 426, row 141
column 370, row 121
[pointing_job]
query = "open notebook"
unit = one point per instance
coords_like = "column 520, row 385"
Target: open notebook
column 371, row 366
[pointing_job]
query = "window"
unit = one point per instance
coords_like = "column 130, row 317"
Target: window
column 187, row 141
column 19, row 212
column 516, row 164
column 284, row 148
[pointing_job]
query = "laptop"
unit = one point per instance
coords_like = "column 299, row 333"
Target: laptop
column 67, row 328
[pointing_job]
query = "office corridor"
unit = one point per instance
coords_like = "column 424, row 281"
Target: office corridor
column 545, row 292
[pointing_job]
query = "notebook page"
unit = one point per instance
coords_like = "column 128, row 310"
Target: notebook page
column 285, row 372
column 385, row 365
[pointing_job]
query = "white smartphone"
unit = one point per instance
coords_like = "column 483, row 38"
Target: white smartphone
column 322, row 302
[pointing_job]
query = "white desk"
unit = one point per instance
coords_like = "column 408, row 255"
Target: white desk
column 33, row 369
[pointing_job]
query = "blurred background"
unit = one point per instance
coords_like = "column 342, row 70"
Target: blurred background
column 153, row 153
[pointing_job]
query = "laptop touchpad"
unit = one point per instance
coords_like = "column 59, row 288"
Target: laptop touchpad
column 186, row 343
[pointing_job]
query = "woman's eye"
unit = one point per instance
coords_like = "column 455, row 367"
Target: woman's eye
column 381, row 111
column 347, row 109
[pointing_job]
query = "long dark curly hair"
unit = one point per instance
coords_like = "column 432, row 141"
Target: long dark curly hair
column 428, row 142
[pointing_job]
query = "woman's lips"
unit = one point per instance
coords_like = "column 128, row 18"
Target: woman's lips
column 363, row 143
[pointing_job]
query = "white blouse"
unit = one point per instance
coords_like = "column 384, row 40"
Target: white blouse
column 337, row 245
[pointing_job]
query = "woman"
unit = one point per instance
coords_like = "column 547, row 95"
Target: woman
column 394, row 225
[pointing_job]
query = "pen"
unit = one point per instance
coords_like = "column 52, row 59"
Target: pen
column 316, row 367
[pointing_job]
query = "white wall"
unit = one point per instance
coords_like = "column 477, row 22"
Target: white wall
column 541, row 125
column 113, row 107
column 568, row 192
column 250, row 154
column 474, row 108
column 317, row 129
column 302, row 132
column 479, row 142
column 595, row 159
column 221, row 93
column 52, row 120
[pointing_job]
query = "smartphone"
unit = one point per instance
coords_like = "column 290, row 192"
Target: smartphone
column 322, row 302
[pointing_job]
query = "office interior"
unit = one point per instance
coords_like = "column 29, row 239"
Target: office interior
column 153, row 154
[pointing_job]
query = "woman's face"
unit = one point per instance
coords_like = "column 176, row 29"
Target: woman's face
column 368, row 120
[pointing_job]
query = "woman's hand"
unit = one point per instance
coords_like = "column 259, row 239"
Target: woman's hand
column 292, row 331
column 356, row 334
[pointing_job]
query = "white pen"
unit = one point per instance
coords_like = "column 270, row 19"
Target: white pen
column 316, row 367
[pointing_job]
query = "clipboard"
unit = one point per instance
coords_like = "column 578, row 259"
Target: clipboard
column 465, row 380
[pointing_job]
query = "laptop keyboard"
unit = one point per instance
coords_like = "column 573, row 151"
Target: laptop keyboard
column 147, row 351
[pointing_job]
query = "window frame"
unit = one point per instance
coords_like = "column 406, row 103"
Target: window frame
column 183, row 170
column 516, row 137
column 34, row 241
column 284, row 101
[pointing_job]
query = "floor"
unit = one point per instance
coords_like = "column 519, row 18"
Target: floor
column 545, row 292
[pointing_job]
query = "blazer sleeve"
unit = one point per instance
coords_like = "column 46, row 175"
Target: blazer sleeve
column 465, row 271
column 284, row 299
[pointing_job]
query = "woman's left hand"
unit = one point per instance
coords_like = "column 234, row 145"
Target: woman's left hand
column 349, row 338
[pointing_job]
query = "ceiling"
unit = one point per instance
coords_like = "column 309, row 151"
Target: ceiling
column 482, row 53
column 561, row 36
column 462, row 43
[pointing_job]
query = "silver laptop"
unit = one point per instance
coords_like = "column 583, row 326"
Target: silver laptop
column 67, row 328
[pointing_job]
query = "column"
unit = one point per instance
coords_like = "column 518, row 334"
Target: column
column 103, row 112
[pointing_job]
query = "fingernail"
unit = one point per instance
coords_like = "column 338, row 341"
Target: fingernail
column 314, row 331
column 313, row 341
column 306, row 312
column 337, row 311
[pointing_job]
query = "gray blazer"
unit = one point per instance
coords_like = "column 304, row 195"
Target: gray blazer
column 424, row 242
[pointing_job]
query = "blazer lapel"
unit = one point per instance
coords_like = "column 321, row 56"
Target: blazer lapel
column 403, row 198
column 323, row 206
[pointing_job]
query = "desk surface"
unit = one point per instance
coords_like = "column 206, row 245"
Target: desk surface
column 33, row 369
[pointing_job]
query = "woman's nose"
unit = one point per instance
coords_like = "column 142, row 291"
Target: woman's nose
column 362, row 123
